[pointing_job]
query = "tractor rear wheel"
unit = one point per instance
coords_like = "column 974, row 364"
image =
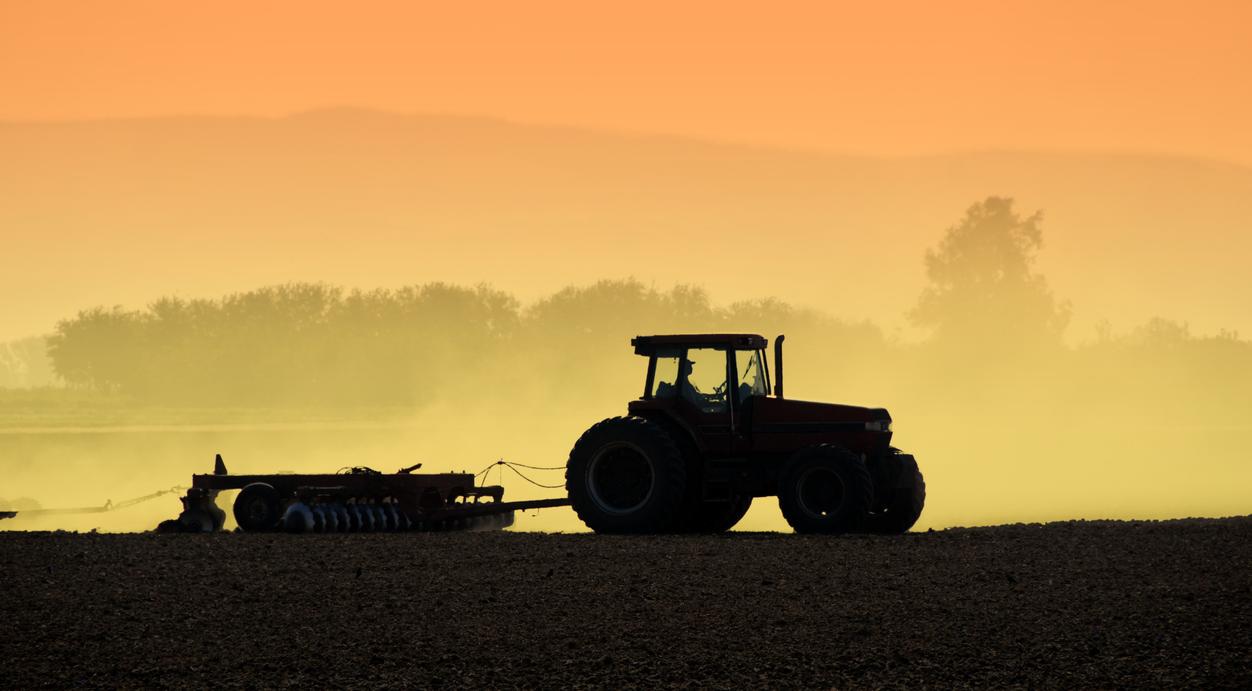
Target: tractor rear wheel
column 825, row 489
column 626, row 475
column 258, row 508
column 902, row 504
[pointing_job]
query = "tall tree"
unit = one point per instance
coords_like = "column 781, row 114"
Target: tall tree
column 983, row 292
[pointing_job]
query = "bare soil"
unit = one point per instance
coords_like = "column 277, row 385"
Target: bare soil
column 1080, row 604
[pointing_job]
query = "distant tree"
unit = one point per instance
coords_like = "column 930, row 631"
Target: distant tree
column 577, row 336
column 1159, row 333
column 605, row 313
column 98, row 349
column 983, row 291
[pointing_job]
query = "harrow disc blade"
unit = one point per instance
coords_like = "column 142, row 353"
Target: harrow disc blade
column 195, row 521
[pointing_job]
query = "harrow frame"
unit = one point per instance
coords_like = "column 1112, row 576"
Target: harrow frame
column 360, row 500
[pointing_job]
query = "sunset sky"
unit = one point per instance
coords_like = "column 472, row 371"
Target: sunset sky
column 879, row 78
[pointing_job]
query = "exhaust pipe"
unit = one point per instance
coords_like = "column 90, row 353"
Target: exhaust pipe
column 778, row 366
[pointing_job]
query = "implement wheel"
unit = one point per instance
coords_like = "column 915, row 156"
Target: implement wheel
column 258, row 508
column 626, row 475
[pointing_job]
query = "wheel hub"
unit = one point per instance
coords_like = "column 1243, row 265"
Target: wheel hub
column 820, row 492
column 620, row 478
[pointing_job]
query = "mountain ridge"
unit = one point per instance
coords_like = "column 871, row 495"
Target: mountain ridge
column 361, row 112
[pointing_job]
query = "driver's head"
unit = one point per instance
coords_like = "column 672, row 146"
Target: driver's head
column 687, row 366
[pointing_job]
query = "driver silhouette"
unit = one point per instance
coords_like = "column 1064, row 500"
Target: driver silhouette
column 689, row 390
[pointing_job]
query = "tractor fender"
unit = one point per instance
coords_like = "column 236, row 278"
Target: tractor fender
column 693, row 451
column 892, row 469
column 678, row 429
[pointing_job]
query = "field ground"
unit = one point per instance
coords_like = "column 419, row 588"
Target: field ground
column 1078, row 604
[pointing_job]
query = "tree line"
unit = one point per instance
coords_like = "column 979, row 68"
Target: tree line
column 987, row 311
column 306, row 343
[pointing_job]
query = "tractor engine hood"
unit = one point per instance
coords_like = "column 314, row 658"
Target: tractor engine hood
column 787, row 416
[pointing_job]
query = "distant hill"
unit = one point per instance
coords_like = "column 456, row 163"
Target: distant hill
column 120, row 211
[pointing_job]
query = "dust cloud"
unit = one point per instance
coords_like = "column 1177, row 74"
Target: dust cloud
column 1009, row 420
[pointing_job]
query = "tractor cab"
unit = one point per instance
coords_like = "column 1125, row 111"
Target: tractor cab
column 703, row 383
column 705, row 370
column 717, row 387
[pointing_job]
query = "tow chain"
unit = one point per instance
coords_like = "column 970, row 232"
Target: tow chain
column 514, row 467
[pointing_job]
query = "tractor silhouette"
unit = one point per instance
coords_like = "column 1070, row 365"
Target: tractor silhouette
column 710, row 433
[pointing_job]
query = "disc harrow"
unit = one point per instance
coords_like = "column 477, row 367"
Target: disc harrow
column 354, row 500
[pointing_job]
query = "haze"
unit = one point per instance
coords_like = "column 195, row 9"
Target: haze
column 808, row 152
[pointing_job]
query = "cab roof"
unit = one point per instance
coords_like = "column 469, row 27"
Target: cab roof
column 647, row 345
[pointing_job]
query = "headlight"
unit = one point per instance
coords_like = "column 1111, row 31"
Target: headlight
column 878, row 426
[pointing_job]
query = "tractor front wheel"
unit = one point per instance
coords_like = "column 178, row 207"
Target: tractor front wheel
column 899, row 505
column 626, row 475
column 825, row 489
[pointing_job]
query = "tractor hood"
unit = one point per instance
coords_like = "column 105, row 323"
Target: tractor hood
column 809, row 411
column 856, row 427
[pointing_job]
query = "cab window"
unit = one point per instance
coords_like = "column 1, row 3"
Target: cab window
column 702, row 379
column 666, row 377
column 752, row 379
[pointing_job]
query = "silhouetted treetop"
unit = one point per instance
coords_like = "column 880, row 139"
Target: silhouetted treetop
column 982, row 288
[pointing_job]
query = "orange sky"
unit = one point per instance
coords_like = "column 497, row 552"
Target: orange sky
column 884, row 77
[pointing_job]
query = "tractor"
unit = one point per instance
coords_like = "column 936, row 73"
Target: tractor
column 711, row 433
